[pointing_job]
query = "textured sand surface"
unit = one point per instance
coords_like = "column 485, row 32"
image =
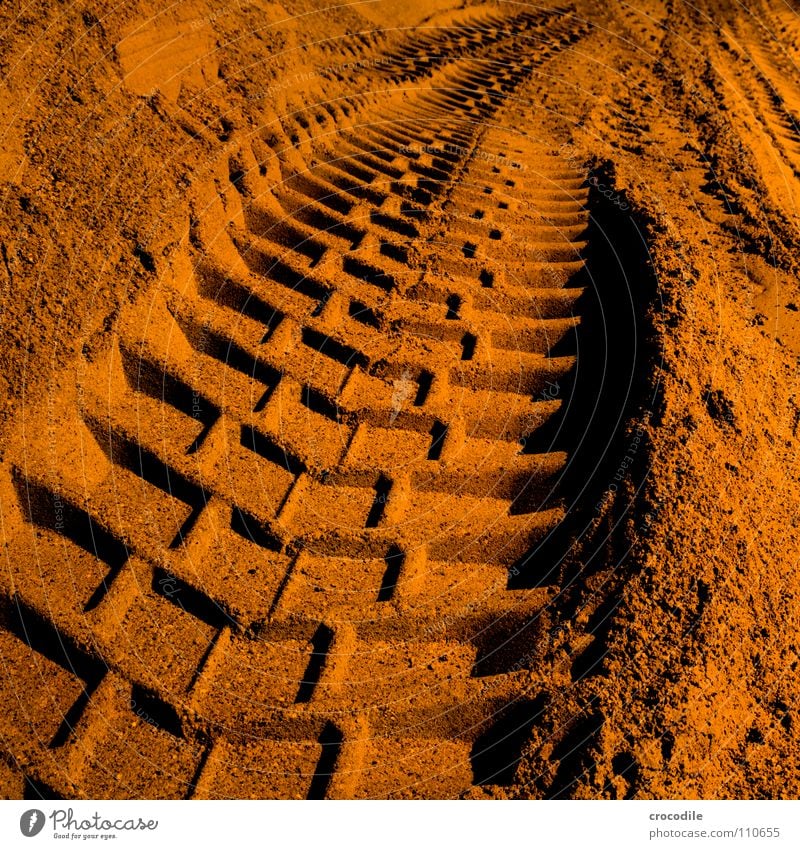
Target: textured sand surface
column 399, row 401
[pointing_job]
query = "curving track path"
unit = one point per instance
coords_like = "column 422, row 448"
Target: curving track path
column 288, row 499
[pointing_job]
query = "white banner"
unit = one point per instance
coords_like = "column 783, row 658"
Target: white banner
column 369, row 825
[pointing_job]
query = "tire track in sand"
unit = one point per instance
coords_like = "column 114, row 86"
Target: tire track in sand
column 292, row 491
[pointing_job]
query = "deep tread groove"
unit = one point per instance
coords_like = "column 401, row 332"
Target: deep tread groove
column 394, row 563
column 54, row 512
column 155, row 711
column 249, row 528
column 320, row 646
column 262, row 445
column 468, row 343
column 424, row 383
column 497, row 752
column 363, row 314
column 194, row 602
column 331, row 740
column 382, row 493
column 438, row 434
column 47, row 640
column 329, row 347
column 316, row 402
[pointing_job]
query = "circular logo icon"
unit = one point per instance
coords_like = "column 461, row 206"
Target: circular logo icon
column 31, row 822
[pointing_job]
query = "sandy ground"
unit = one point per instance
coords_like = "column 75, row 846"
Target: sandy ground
column 399, row 400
